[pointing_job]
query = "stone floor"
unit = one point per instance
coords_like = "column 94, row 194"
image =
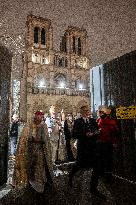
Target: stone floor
column 118, row 193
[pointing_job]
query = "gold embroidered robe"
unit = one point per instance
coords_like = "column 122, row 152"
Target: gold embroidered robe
column 31, row 156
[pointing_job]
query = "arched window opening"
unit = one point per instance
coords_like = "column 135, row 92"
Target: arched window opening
column 66, row 62
column 64, row 47
column 60, row 62
column 79, row 46
column 40, row 81
column 35, row 58
column 80, row 84
column 43, row 59
column 74, row 46
column 61, row 48
column 55, row 60
column 60, row 81
column 43, row 36
column 63, row 62
column 36, row 29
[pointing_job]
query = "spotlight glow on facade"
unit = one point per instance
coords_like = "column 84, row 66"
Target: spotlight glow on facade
column 41, row 84
column 62, row 84
column 46, row 61
column 80, row 86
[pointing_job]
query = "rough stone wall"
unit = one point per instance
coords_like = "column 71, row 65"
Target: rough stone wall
column 5, row 98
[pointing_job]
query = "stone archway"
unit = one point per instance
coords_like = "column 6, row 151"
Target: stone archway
column 39, row 104
column 5, row 83
column 80, row 104
column 64, row 104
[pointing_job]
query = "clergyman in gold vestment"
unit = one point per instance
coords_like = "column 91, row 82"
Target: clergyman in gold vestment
column 33, row 164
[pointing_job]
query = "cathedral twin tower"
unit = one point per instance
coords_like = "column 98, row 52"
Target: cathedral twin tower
column 59, row 78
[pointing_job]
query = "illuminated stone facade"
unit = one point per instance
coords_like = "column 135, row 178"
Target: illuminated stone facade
column 59, row 78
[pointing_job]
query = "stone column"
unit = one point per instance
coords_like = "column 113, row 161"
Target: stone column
column 23, row 91
column 39, row 37
column 5, row 79
column 51, row 54
column 71, row 44
column 86, row 46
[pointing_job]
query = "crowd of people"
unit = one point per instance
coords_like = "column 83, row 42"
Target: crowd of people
column 86, row 141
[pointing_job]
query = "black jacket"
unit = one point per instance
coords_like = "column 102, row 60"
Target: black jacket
column 14, row 130
column 67, row 130
column 86, row 146
column 80, row 128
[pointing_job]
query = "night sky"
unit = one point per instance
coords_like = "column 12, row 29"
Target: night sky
column 110, row 24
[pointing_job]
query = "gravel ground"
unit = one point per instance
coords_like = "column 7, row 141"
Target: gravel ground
column 117, row 193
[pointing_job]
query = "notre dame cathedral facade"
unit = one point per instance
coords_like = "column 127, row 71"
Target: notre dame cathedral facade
column 51, row 77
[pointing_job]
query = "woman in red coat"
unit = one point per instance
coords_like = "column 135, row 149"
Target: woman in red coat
column 108, row 130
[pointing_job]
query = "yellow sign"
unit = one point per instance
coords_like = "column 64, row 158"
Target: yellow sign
column 126, row 112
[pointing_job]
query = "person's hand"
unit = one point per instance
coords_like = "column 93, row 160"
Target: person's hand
column 58, row 123
column 89, row 134
column 75, row 144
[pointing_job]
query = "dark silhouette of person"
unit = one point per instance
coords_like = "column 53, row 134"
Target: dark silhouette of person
column 14, row 134
column 109, row 131
column 68, row 126
column 86, row 131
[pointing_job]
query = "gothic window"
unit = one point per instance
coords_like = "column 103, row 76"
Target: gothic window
column 40, row 81
column 35, row 58
column 64, row 48
column 36, row 30
column 61, row 48
column 43, row 60
column 60, row 81
column 60, row 62
column 54, row 60
column 43, row 36
column 80, row 84
column 63, row 62
column 74, row 46
column 79, row 46
column 66, row 62
column 57, row 61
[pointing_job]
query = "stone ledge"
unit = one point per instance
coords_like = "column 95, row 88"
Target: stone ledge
column 57, row 91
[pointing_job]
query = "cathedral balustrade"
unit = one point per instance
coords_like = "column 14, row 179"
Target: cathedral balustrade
column 58, row 91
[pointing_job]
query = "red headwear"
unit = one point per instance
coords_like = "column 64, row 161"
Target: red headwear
column 39, row 113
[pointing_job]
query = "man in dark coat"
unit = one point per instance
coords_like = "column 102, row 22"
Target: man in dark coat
column 14, row 134
column 68, row 126
column 86, row 131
